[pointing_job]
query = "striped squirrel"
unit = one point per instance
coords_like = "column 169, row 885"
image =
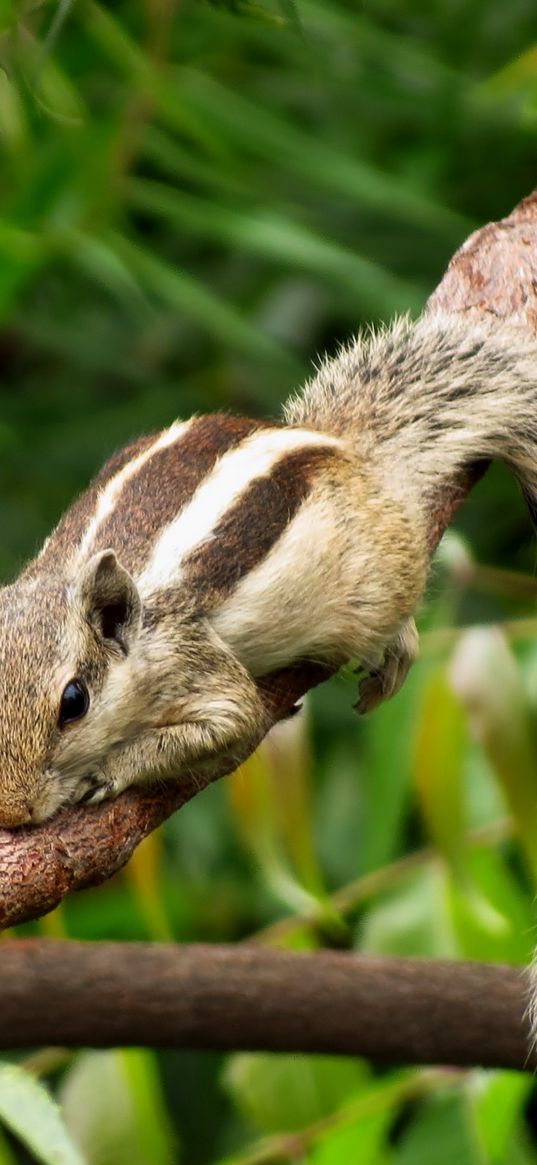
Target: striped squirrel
column 209, row 555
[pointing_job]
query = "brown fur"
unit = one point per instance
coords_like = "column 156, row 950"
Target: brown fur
column 152, row 498
column 253, row 525
column 69, row 531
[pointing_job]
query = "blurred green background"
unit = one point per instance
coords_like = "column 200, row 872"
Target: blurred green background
column 196, row 200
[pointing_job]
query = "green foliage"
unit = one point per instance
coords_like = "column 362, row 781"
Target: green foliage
column 196, row 200
column 29, row 1112
column 113, row 1105
column 283, row 1093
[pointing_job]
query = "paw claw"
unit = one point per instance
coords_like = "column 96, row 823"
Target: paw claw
column 385, row 681
column 100, row 794
column 371, row 693
column 97, row 789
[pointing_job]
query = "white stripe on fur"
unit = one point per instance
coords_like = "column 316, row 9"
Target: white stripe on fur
column 228, row 481
column 109, row 494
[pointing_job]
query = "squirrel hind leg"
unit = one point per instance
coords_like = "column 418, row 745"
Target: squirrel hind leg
column 384, row 681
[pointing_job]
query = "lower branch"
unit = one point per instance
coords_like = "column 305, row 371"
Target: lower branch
column 390, row 1010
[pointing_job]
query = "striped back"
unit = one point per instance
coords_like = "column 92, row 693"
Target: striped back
column 200, row 504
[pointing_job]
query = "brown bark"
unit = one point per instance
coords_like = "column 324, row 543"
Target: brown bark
column 494, row 272
column 255, row 998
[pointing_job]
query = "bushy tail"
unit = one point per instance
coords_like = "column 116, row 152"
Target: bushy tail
column 423, row 401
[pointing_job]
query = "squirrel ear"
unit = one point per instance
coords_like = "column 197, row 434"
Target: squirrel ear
column 110, row 600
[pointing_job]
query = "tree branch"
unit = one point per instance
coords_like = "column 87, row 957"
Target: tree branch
column 495, row 272
column 85, row 845
column 247, row 997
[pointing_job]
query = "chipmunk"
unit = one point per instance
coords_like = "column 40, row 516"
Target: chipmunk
column 211, row 554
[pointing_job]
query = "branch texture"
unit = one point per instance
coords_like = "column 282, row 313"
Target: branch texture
column 495, row 272
column 255, row 998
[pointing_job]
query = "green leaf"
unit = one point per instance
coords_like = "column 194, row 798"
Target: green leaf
column 13, row 130
column 515, row 78
column 279, row 1093
column 58, row 20
column 8, row 14
column 259, row 130
column 6, row 1155
column 113, row 38
column 290, row 11
column 362, row 1143
column 93, row 255
column 21, row 255
column 114, row 1106
column 440, row 749
column 492, row 915
column 488, row 681
column 386, row 774
column 290, row 766
column 278, row 239
column 184, row 293
column 144, row 874
column 52, row 88
column 28, row 1111
column 183, row 162
column 442, row 1133
column 415, row 919
column 265, row 824
column 499, row 1099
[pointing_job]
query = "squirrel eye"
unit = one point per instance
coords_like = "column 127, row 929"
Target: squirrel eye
column 74, row 702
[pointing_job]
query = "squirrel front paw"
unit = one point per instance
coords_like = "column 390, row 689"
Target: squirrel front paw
column 384, row 681
column 95, row 787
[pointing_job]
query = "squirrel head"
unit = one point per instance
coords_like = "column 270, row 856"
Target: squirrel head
column 64, row 659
